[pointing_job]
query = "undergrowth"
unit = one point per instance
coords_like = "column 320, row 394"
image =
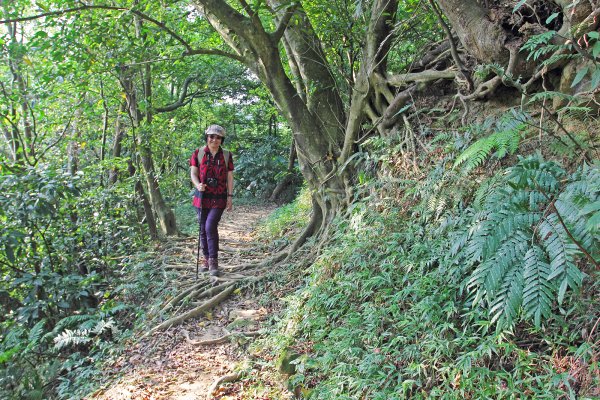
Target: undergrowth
column 393, row 308
column 287, row 218
column 82, row 344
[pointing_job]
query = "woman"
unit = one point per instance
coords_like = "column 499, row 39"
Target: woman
column 212, row 175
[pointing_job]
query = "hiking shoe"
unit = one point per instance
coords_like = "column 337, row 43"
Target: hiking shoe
column 213, row 267
column 204, row 266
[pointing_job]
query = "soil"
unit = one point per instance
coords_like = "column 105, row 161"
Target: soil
column 168, row 364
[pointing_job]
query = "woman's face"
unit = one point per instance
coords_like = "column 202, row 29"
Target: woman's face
column 214, row 141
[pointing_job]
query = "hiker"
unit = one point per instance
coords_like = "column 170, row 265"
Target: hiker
column 212, row 175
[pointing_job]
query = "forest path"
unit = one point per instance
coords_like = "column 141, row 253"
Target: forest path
column 169, row 363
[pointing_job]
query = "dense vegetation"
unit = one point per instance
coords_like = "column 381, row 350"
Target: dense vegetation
column 437, row 287
column 452, row 246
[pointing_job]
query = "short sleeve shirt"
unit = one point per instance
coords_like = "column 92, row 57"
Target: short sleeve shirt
column 211, row 169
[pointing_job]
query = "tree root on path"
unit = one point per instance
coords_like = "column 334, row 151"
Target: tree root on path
column 224, row 379
column 193, row 312
column 218, row 340
column 181, row 295
column 209, row 292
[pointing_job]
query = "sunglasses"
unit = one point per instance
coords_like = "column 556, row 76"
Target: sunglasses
column 214, row 137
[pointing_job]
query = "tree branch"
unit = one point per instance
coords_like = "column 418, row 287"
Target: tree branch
column 182, row 98
column 247, row 8
column 463, row 70
column 57, row 141
column 423, row 76
column 281, row 27
column 12, row 267
column 378, row 35
column 213, row 52
column 103, row 7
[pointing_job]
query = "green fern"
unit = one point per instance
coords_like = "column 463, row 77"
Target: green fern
column 525, row 243
column 72, row 337
column 505, row 140
column 551, row 95
column 537, row 45
column 82, row 336
column 538, row 295
column 36, row 333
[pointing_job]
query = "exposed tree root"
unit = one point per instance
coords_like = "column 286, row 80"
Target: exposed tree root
column 267, row 262
column 229, row 249
column 224, row 379
column 194, row 312
column 197, row 294
column 218, row 340
column 181, row 295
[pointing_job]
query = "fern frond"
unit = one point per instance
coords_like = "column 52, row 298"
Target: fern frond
column 533, row 172
column 113, row 310
column 537, row 44
column 592, row 210
column 577, row 112
column 562, row 253
column 73, row 320
column 507, row 302
column 538, row 292
column 571, row 215
column 487, row 187
column 103, row 325
column 526, row 241
column 36, row 332
column 69, row 337
column 487, row 277
column 550, row 95
column 504, row 142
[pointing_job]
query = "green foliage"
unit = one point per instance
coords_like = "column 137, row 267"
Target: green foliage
column 541, row 48
column 384, row 312
column 377, row 319
column 288, row 217
column 82, row 336
column 526, row 240
column 504, row 140
column 261, row 166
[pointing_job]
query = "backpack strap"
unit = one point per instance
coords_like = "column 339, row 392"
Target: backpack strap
column 226, row 155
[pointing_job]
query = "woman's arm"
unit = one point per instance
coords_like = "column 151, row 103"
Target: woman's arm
column 229, row 190
column 195, row 180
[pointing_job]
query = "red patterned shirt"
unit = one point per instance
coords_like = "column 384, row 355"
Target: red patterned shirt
column 211, row 167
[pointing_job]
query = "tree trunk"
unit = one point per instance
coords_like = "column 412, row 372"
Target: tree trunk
column 317, row 123
column 481, row 37
column 117, row 142
column 165, row 215
column 139, row 189
column 289, row 176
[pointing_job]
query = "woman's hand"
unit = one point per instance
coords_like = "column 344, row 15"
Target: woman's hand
column 201, row 187
column 229, row 203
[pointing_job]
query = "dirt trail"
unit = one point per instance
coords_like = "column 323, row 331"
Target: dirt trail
column 167, row 364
